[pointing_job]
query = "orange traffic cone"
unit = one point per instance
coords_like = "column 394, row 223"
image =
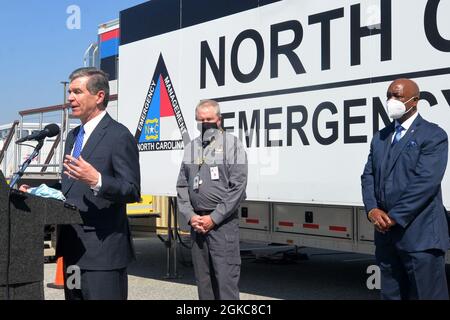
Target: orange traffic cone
column 59, row 278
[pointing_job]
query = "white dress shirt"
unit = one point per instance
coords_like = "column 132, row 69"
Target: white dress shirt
column 406, row 125
column 88, row 129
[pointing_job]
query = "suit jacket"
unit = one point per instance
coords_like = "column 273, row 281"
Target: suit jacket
column 404, row 180
column 103, row 241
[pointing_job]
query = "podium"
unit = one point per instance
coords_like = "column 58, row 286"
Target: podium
column 22, row 220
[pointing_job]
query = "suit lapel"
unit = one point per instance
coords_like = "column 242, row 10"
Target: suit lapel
column 386, row 146
column 398, row 148
column 65, row 181
column 95, row 137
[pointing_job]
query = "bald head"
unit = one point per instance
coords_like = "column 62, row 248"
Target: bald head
column 404, row 87
column 406, row 91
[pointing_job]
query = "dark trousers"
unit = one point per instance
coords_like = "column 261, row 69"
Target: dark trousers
column 217, row 263
column 98, row 285
column 412, row 275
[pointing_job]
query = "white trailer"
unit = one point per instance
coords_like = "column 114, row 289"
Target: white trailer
column 301, row 83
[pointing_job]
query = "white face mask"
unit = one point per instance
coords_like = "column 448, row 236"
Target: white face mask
column 397, row 109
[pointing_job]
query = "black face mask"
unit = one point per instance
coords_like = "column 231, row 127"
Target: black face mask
column 205, row 126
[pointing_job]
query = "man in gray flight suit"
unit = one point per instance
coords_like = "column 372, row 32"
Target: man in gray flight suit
column 210, row 187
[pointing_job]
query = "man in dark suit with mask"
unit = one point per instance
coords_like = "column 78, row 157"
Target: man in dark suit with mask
column 101, row 176
column 401, row 187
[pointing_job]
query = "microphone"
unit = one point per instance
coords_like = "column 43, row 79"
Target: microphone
column 50, row 130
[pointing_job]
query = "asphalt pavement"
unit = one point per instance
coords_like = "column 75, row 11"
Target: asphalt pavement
column 268, row 273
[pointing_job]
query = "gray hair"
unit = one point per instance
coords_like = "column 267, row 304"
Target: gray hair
column 209, row 103
column 98, row 81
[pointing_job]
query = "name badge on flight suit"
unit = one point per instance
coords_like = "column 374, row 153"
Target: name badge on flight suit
column 214, row 173
column 196, row 182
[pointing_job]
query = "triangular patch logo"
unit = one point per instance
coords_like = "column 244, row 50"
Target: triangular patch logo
column 161, row 125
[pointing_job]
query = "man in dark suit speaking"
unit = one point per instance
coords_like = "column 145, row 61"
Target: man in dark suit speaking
column 101, row 176
column 401, row 188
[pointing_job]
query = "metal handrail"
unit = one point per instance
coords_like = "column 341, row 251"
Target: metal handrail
column 8, row 139
column 64, row 122
column 43, row 110
column 57, row 140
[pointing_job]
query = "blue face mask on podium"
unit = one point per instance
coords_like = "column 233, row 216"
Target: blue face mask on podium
column 46, row 192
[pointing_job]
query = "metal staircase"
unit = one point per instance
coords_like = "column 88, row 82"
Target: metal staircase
column 47, row 167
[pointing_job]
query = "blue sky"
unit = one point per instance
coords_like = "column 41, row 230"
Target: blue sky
column 38, row 51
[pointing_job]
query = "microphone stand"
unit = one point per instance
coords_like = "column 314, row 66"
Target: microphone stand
column 25, row 165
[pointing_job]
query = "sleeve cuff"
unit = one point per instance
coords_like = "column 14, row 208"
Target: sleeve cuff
column 189, row 216
column 401, row 222
column 216, row 218
column 97, row 187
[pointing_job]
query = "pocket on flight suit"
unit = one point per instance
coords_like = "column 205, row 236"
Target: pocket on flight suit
column 232, row 249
